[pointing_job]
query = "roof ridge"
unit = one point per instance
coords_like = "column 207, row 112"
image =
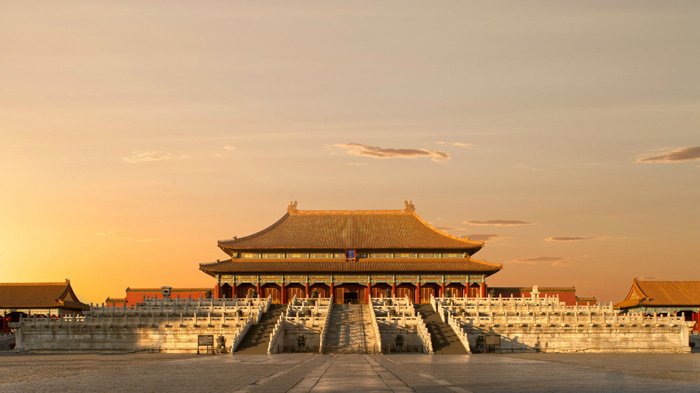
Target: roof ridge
column 33, row 283
column 439, row 232
column 346, row 212
column 668, row 281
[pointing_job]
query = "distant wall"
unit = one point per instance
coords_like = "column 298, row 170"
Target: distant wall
column 135, row 296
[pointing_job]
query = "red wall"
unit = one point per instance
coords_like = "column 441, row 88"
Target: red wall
column 134, row 296
column 566, row 295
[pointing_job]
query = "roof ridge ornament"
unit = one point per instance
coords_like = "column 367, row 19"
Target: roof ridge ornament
column 409, row 207
column 292, row 208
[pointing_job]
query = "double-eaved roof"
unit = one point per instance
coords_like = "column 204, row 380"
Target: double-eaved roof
column 661, row 294
column 390, row 231
column 350, row 229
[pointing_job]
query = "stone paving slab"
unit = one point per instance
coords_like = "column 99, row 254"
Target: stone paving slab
column 350, row 373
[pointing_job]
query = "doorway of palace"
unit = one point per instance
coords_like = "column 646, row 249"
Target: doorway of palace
column 245, row 290
column 406, row 290
column 350, row 294
column 297, row 290
column 381, row 290
column 226, row 291
column 454, row 290
column 272, row 290
column 428, row 289
column 350, row 298
column 322, row 290
column 474, row 290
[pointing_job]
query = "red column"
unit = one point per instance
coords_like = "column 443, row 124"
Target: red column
column 466, row 289
column 283, row 295
column 393, row 289
column 418, row 293
column 306, row 292
column 257, row 289
column 442, row 290
column 369, row 292
column 233, row 291
column 483, row 289
column 332, row 290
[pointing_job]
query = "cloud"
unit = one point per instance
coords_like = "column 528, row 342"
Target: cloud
column 569, row 238
column 483, row 236
column 498, row 223
column 357, row 164
column 457, row 144
column 680, row 154
column 552, row 261
column 146, row 156
column 361, row 150
column 229, row 147
column 105, row 234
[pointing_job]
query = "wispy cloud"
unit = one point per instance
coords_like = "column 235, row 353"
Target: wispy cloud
column 570, row 238
column 146, row 156
column 483, row 236
column 541, row 260
column 229, row 147
column 680, row 154
column 457, row 144
column 498, row 223
column 362, row 150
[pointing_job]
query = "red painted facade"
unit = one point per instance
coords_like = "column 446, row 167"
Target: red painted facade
column 138, row 295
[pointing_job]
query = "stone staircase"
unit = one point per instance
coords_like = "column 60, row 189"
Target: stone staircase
column 444, row 339
column 257, row 339
column 350, row 330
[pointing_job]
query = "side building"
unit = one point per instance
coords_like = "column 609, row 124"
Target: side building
column 351, row 255
column 48, row 298
column 676, row 298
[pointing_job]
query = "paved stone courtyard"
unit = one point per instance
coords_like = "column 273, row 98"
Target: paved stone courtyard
column 350, row 373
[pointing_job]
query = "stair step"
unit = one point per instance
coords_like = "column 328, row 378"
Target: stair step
column 258, row 337
column 444, row 339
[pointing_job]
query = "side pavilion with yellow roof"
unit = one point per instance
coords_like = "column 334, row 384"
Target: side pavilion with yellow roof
column 664, row 297
column 352, row 255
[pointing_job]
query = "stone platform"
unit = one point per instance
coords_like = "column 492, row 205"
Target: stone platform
column 175, row 373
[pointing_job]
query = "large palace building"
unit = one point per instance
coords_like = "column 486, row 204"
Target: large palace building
column 352, row 255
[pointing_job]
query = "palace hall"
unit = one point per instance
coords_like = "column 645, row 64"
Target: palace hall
column 351, row 255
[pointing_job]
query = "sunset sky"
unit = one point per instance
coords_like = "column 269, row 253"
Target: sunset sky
column 134, row 135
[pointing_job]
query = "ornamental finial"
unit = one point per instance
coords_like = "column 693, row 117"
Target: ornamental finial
column 292, row 208
column 409, row 207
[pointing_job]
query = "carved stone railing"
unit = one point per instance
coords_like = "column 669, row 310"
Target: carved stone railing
column 546, row 324
column 397, row 316
column 277, row 334
column 375, row 328
column 424, row 335
column 459, row 331
column 324, row 329
column 240, row 334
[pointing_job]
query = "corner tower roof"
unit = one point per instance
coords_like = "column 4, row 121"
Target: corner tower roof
column 350, row 229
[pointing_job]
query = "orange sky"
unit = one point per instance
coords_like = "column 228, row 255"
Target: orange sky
column 133, row 135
